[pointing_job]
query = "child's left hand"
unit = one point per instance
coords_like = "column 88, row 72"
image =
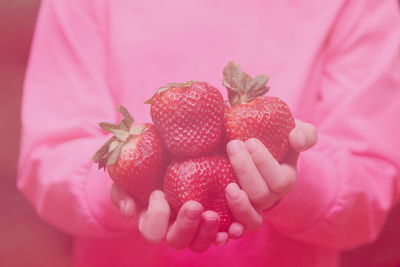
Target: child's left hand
column 262, row 179
column 194, row 227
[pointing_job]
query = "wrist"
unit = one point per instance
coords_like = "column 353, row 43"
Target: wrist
column 98, row 187
column 315, row 192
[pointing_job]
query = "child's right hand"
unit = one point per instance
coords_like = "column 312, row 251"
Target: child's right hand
column 193, row 228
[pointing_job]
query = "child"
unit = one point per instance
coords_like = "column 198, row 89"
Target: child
column 335, row 63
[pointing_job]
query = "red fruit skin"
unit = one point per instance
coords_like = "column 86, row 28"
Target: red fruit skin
column 141, row 165
column 266, row 118
column 201, row 179
column 190, row 118
column 224, row 139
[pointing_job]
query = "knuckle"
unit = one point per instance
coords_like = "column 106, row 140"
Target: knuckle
column 263, row 160
column 283, row 185
column 259, row 197
column 240, row 167
column 238, row 201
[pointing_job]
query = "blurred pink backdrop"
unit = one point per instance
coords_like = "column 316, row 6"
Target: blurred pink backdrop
column 25, row 239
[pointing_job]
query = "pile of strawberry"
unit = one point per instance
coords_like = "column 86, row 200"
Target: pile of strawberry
column 183, row 152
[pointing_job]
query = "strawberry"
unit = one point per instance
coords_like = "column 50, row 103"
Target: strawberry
column 201, row 179
column 134, row 157
column 189, row 117
column 254, row 115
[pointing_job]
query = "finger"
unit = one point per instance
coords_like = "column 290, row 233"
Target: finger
column 249, row 178
column 207, row 232
column 241, row 208
column 303, row 137
column 289, row 166
column 221, row 238
column 291, row 158
column 153, row 223
column 183, row 230
column 123, row 201
column 290, row 170
column 275, row 176
column 236, row 230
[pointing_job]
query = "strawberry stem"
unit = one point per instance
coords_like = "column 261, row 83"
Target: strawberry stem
column 169, row 86
column 109, row 153
column 241, row 87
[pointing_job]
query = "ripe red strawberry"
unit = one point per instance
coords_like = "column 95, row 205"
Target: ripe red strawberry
column 254, row 115
column 189, row 117
column 134, row 157
column 201, row 179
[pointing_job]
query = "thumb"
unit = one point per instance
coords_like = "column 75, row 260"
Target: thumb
column 123, row 201
column 303, row 136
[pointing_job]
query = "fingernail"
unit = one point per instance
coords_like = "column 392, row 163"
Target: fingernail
column 236, row 230
column 122, row 205
column 235, row 147
column 301, row 141
column 233, row 191
column 252, row 144
column 221, row 239
column 193, row 213
column 157, row 194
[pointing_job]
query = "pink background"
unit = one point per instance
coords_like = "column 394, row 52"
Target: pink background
column 25, row 240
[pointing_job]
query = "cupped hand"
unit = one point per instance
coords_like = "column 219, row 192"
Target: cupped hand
column 262, row 179
column 193, row 228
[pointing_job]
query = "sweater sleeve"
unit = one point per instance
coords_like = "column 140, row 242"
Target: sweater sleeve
column 348, row 183
column 65, row 95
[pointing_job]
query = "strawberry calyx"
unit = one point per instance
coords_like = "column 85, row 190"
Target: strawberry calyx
column 108, row 153
column 242, row 88
column 169, row 86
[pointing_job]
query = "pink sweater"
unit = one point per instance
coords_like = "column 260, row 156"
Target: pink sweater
column 336, row 63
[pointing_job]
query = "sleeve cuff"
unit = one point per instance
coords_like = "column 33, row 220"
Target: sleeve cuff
column 316, row 191
column 97, row 188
